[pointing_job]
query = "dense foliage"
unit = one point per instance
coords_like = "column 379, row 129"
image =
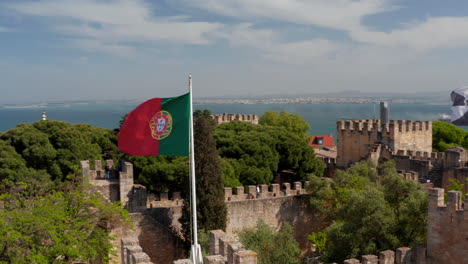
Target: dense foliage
column 256, row 153
column 57, row 147
column 446, row 135
column 55, row 225
column 211, row 209
column 272, row 247
column 292, row 122
column 371, row 209
column 48, row 216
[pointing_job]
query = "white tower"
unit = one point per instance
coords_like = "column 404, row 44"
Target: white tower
column 44, row 117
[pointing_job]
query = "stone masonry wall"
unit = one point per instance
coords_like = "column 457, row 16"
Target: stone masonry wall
column 404, row 255
column 356, row 138
column 274, row 204
column 152, row 238
column 225, row 118
column 447, row 232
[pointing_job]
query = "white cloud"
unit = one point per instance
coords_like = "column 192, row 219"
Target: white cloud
column 115, row 22
column 92, row 45
column 347, row 15
column 434, row 32
column 337, row 14
column 273, row 45
column 301, row 52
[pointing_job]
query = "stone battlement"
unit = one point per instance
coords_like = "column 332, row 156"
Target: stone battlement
column 132, row 253
column 224, row 118
column 240, row 193
column 447, row 233
column 226, row 249
column 375, row 125
column 404, row 255
column 357, row 139
column 421, row 155
column 275, row 190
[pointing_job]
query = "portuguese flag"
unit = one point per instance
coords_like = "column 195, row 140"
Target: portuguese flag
column 159, row 126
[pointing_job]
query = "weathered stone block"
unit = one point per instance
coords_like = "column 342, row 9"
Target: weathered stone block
column 215, row 259
column 387, row 257
column 215, row 236
column 400, row 255
column 227, row 193
column 370, row 259
column 231, row 249
column 183, row 261
column 352, row 261
column 245, row 257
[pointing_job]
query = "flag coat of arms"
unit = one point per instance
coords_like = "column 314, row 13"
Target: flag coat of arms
column 459, row 106
column 159, row 126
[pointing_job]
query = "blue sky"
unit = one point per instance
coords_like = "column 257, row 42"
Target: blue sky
column 102, row 49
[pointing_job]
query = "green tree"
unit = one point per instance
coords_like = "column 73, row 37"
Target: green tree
column 60, row 226
column 272, row 247
column 258, row 152
column 457, row 185
column 292, row 122
column 370, row 209
column 160, row 173
column 446, row 135
column 211, row 209
column 57, row 147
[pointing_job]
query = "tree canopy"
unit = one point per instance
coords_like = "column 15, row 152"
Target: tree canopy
column 291, row 122
column 48, row 215
column 446, row 135
column 57, row 147
column 370, row 209
column 272, row 247
column 257, row 152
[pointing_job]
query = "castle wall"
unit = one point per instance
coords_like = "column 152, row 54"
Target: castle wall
column 148, row 238
column 275, row 205
column 356, row 139
column 447, row 231
column 225, row 118
column 460, row 174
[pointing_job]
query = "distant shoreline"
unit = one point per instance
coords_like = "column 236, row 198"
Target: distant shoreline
column 275, row 101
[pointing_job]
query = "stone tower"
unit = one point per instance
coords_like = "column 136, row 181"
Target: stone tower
column 358, row 138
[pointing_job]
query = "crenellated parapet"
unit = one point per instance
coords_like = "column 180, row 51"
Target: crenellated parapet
column 357, row 138
column 132, row 253
column 433, row 157
column 264, row 191
column 403, row 255
column 409, row 175
column 165, row 199
column 375, row 125
column 98, row 173
column 120, row 185
column 447, row 230
column 228, row 249
column 224, row 118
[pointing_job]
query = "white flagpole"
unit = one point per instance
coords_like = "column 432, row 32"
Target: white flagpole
column 195, row 250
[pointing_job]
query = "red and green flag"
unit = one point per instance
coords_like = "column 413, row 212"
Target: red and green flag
column 159, row 126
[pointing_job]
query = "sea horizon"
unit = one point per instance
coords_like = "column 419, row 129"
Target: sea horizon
column 321, row 117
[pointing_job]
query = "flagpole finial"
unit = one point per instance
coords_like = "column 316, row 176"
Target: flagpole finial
column 190, row 82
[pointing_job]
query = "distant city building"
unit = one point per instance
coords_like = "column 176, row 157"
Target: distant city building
column 225, row 118
column 321, row 142
column 324, row 147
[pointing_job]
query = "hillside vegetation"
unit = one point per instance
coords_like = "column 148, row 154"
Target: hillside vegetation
column 47, row 214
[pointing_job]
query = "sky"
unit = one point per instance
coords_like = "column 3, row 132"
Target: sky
column 136, row 49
